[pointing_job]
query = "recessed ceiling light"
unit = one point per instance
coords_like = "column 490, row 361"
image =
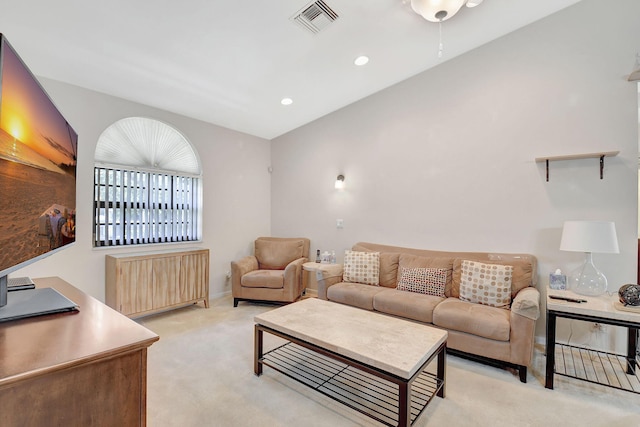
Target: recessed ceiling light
column 361, row 60
column 286, row 101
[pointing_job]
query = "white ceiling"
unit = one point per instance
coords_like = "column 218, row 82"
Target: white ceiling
column 231, row 62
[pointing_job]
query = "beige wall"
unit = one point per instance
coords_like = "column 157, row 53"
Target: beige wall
column 445, row 160
column 236, row 186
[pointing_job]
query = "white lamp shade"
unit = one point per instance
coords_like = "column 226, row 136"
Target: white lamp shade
column 589, row 236
column 429, row 8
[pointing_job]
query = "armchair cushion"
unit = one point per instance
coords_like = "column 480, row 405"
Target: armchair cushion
column 276, row 255
column 272, row 279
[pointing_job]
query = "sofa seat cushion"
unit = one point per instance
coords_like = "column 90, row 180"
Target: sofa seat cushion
column 476, row 319
column 355, row 294
column 406, row 304
column 272, row 279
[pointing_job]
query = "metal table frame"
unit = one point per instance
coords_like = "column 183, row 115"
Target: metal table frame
column 630, row 357
column 404, row 399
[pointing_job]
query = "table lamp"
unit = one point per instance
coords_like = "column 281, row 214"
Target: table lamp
column 589, row 237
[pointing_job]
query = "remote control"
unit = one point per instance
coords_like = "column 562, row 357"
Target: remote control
column 567, row 299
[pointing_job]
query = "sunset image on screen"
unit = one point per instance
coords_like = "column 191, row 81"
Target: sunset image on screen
column 32, row 131
column 37, row 167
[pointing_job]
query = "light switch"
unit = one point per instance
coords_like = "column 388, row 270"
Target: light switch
column 340, row 223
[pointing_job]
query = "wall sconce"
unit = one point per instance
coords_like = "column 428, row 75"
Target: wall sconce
column 339, row 182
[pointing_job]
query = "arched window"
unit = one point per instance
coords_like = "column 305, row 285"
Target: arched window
column 147, row 180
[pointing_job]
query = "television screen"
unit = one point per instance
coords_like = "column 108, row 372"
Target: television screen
column 38, row 151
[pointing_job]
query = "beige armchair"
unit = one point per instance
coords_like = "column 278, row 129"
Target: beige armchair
column 273, row 273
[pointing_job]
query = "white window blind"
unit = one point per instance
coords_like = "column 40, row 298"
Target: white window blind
column 136, row 207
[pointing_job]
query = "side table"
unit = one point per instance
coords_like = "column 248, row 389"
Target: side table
column 599, row 367
column 321, row 271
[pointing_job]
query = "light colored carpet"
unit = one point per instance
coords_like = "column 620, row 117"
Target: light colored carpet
column 200, row 373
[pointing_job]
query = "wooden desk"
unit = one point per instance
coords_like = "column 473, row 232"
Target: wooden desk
column 74, row 369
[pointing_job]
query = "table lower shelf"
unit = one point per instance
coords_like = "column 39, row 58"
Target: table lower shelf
column 352, row 387
column 599, row 367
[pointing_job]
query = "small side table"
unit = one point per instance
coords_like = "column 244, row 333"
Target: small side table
column 612, row 370
column 320, row 270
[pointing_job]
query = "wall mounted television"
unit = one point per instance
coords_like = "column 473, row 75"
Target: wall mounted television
column 38, row 153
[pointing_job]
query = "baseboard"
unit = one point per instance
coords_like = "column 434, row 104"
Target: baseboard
column 310, row 293
column 219, row 295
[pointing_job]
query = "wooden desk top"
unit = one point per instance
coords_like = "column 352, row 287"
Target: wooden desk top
column 39, row 345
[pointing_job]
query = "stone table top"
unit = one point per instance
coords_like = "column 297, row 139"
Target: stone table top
column 603, row 306
column 390, row 344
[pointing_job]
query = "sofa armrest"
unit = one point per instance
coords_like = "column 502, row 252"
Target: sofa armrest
column 239, row 268
column 293, row 278
column 525, row 310
column 527, row 303
column 327, row 276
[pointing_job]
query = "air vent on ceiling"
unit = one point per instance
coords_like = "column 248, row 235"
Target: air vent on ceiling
column 315, row 16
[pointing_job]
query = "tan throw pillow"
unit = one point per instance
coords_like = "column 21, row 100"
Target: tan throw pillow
column 429, row 281
column 362, row 267
column 487, row 284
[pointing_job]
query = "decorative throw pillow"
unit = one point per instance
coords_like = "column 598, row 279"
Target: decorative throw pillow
column 430, row 281
column 488, row 284
column 362, row 267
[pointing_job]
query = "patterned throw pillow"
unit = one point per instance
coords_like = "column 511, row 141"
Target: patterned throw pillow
column 362, row 267
column 430, row 281
column 488, row 284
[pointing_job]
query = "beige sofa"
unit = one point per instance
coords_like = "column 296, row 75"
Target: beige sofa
column 478, row 331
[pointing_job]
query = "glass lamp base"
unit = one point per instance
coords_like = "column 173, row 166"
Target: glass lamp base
column 588, row 280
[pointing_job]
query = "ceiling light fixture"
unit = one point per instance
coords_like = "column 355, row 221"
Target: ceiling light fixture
column 286, row 101
column 361, row 60
column 439, row 11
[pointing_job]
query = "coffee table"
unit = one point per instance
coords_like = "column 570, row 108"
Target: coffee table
column 373, row 363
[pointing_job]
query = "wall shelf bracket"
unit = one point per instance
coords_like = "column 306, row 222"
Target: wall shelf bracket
column 600, row 155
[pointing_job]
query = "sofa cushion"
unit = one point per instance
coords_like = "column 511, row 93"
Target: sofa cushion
column 430, row 281
column 476, row 319
column 487, row 284
column 389, row 269
column 414, row 261
column 272, row 279
column 276, row 255
column 405, row 304
column 355, row 294
column 521, row 276
column 362, row 267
